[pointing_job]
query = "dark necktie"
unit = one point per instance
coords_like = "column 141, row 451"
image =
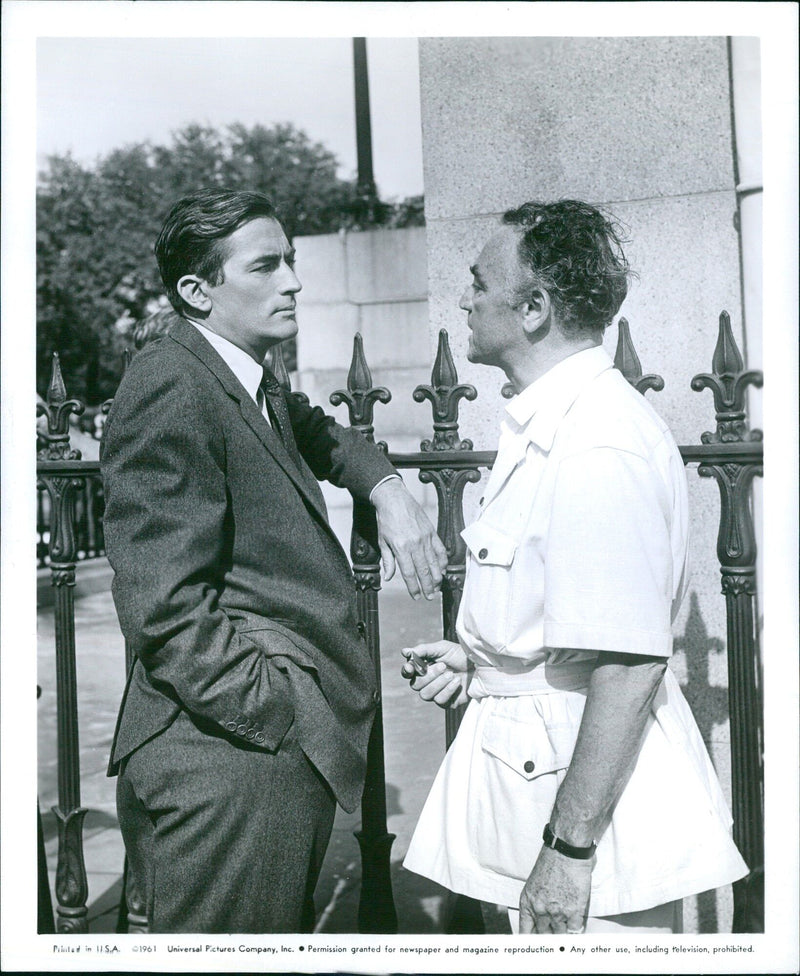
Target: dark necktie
column 279, row 414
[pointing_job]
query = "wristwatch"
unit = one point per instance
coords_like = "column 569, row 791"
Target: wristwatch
column 568, row 850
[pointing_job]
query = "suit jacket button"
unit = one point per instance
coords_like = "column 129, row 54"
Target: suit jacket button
column 242, row 729
column 259, row 736
column 376, row 697
column 250, row 733
column 362, row 629
column 230, row 726
column 529, row 766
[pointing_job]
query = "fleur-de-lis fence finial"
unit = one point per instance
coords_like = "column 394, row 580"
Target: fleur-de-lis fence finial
column 360, row 395
column 728, row 381
column 629, row 364
column 444, row 393
column 58, row 411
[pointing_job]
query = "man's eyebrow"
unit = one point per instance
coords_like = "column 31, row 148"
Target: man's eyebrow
column 273, row 256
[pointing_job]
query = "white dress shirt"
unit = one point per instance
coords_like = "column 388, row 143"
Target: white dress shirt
column 249, row 373
column 246, row 370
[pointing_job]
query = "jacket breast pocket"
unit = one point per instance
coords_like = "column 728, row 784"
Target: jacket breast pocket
column 485, row 614
column 489, row 546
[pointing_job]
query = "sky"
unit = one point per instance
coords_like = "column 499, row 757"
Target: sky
column 95, row 94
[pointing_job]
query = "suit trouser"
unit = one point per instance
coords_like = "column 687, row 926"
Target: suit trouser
column 223, row 837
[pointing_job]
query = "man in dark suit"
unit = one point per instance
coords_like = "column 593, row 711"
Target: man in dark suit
column 248, row 708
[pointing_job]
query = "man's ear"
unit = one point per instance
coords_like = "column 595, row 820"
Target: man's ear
column 536, row 311
column 194, row 292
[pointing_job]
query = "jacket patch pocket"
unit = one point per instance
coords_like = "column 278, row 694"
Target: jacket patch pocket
column 530, row 748
column 512, row 791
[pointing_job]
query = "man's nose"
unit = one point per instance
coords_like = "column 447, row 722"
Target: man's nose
column 465, row 302
column 291, row 283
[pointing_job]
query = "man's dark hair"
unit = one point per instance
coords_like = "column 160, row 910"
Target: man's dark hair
column 574, row 252
column 192, row 239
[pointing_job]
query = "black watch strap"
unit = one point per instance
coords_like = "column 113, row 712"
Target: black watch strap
column 579, row 853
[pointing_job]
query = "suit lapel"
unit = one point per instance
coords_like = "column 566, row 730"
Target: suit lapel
column 186, row 335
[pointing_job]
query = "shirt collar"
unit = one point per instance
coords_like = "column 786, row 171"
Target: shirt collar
column 246, row 370
column 539, row 408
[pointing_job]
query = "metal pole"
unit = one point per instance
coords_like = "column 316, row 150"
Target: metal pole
column 376, row 908
column 736, row 550
column 71, row 884
column 463, row 914
column 366, row 190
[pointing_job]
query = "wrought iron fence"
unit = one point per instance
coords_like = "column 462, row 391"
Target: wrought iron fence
column 89, row 505
column 732, row 454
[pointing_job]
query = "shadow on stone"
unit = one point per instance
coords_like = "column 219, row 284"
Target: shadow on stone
column 709, row 705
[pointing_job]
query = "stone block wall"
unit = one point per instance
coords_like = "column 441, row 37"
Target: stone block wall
column 376, row 283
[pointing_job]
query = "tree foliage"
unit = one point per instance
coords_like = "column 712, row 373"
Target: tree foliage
column 96, row 225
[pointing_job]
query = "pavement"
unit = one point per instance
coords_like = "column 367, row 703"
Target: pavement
column 414, row 739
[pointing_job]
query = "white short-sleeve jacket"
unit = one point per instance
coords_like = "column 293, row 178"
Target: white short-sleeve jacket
column 580, row 546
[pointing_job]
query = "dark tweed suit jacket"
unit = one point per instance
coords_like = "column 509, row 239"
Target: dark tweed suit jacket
column 229, row 584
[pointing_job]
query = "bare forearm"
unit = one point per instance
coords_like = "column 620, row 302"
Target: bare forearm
column 619, row 699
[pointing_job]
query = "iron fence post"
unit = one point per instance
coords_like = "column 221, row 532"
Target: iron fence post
column 444, row 393
column 71, row 883
column 376, row 908
column 736, row 550
column 464, row 914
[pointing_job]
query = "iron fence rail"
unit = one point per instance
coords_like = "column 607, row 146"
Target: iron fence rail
column 69, row 528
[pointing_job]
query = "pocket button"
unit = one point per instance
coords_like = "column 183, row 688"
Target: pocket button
column 529, row 766
column 483, row 554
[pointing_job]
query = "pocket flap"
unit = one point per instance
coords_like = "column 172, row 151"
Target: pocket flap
column 489, row 545
column 277, row 640
column 531, row 749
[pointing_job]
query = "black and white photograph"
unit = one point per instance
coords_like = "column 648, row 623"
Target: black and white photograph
column 399, row 566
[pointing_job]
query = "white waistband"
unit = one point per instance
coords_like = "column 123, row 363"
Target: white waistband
column 543, row 679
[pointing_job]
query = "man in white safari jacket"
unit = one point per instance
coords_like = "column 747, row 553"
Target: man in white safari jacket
column 578, row 792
